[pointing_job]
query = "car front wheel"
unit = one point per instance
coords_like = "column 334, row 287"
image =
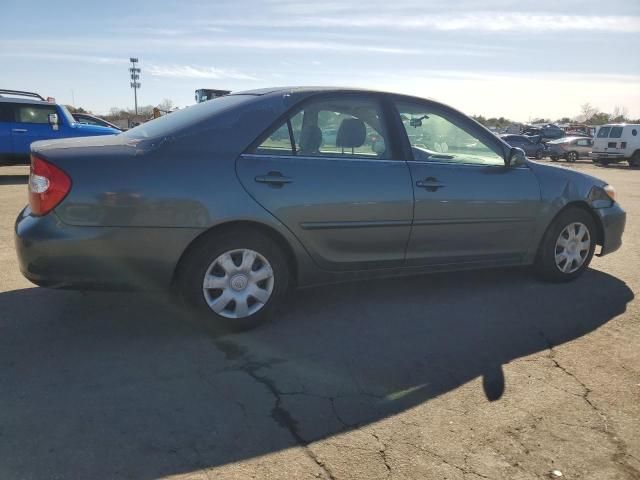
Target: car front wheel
column 236, row 280
column 567, row 247
column 539, row 155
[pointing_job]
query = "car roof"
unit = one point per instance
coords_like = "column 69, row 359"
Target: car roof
column 30, row 101
column 310, row 90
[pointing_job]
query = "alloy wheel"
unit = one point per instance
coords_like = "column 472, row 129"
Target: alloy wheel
column 238, row 283
column 572, row 247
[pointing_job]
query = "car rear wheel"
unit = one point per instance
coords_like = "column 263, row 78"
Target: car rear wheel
column 634, row 162
column 567, row 246
column 236, row 280
column 572, row 157
column 539, row 155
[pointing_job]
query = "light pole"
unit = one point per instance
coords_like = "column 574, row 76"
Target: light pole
column 135, row 84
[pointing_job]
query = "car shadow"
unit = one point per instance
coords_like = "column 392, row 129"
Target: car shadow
column 14, row 179
column 119, row 385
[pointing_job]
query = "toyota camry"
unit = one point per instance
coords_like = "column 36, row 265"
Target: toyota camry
column 233, row 201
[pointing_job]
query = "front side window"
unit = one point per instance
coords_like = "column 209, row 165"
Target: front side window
column 34, row 113
column 435, row 138
column 338, row 127
column 603, row 132
column 616, row 132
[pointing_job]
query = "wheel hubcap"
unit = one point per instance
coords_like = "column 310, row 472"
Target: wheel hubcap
column 572, row 247
column 238, row 283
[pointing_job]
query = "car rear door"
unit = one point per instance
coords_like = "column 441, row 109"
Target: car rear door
column 469, row 206
column 6, row 121
column 331, row 174
column 31, row 123
column 583, row 146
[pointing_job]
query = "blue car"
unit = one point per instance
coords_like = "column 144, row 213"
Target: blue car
column 29, row 118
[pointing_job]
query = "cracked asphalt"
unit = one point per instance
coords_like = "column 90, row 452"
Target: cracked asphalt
column 475, row 375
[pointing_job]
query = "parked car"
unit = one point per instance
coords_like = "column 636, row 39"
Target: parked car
column 547, row 132
column 210, row 201
column 570, row 148
column 30, row 118
column 88, row 119
column 532, row 146
column 617, row 142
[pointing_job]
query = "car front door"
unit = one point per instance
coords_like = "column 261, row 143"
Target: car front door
column 31, row 123
column 331, row 174
column 469, row 206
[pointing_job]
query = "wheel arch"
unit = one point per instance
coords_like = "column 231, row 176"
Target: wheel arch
column 585, row 207
column 218, row 229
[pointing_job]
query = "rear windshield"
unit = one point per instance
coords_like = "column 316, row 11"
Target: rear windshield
column 616, row 132
column 186, row 117
column 603, row 132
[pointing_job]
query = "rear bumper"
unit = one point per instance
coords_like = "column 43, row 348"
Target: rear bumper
column 606, row 156
column 613, row 220
column 54, row 254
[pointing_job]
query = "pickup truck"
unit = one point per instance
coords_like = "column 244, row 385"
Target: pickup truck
column 26, row 117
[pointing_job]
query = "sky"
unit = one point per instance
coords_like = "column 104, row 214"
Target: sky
column 521, row 60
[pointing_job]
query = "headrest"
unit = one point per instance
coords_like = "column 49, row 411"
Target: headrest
column 351, row 134
column 310, row 139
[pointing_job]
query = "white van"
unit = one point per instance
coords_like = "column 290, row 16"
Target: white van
column 617, row 142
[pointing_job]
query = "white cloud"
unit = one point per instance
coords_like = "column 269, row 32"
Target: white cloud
column 192, row 71
column 72, row 57
column 473, row 21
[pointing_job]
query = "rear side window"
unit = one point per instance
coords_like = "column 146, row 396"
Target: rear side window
column 336, row 127
column 34, row 113
column 616, row 132
column 6, row 112
column 603, row 132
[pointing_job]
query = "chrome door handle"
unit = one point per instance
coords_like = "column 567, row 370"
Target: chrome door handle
column 275, row 179
column 430, row 183
column 19, row 130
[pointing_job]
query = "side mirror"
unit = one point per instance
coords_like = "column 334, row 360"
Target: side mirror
column 53, row 119
column 517, row 157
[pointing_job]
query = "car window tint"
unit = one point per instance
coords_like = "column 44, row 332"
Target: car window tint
column 336, row 127
column 603, row 132
column 6, row 112
column 34, row 113
column 278, row 143
column 436, row 139
column 616, row 132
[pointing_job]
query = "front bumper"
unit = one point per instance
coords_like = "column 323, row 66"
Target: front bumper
column 54, row 254
column 613, row 220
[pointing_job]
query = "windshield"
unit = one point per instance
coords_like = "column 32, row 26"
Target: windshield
column 603, row 132
column 186, row 117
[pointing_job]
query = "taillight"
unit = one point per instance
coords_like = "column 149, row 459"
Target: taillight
column 48, row 185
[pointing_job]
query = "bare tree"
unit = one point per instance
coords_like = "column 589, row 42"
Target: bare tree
column 619, row 114
column 166, row 105
column 587, row 111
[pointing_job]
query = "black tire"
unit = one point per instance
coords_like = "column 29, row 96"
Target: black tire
column 545, row 264
column 193, row 267
column 572, row 157
column 554, row 158
column 539, row 155
column 634, row 162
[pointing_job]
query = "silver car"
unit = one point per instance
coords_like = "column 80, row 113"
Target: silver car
column 570, row 148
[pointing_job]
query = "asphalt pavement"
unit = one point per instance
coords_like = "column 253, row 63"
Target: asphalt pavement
column 473, row 375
